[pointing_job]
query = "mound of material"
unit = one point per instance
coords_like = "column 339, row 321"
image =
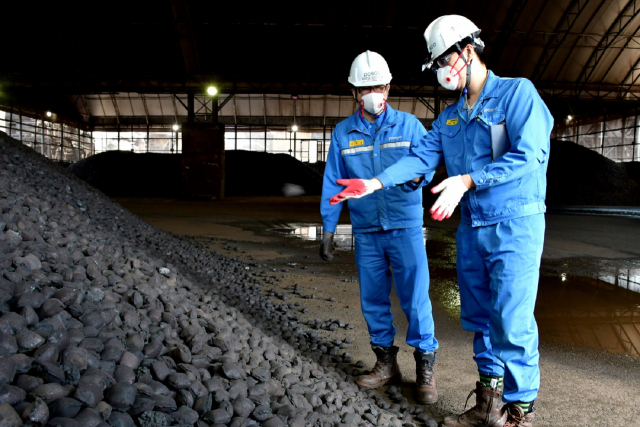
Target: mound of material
column 106, row 321
column 264, row 174
column 578, row 176
column 633, row 169
column 126, row 174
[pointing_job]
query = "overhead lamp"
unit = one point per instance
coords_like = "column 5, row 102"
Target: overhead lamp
column 176, row 127
column 569, row 117
column 212, row 90
column 294, row 128
column 48, row 113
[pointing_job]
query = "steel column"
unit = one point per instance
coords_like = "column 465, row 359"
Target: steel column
column 191, row 115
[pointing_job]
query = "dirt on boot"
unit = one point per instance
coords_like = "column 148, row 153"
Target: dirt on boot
column 385, row 371
column 488, row 410
column 516, row 416
column 426, row 392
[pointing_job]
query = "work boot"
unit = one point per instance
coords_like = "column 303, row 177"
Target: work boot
column 385, row 371
column 487, row 412
column 516, row 416
column 426, row 392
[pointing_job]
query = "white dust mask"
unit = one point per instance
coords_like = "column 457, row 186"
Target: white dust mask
column 447, row 79
column 373, row 102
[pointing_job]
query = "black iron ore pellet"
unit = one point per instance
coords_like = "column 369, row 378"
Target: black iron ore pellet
column 140, row 406
column 217, row 416
column 65, row 408
column 121, row 396
column 63, row 422
column 153, row 419
column 121, row 419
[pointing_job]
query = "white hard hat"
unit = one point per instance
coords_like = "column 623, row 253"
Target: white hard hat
column 369, row 69
column 445, row 32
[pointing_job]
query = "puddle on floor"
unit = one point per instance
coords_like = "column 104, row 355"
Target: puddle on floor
column 587, row 303
column 591, row 303
column 343, row 236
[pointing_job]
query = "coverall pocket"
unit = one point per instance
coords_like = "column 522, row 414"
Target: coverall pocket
column 451, row 143
column 359, row 164
column 542, row 155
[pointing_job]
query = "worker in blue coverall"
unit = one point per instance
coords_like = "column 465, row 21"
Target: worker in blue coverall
column 387, row 227
column 495, row 144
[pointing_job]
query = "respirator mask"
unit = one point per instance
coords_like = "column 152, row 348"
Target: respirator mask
column 373, row 102
column 447, row 76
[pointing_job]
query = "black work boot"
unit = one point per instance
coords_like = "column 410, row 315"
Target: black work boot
column 487, row 412
column 385, row 371
column 516, row 416
column 426, row 392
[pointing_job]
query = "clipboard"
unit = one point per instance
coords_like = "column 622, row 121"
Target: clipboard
column 500, row 143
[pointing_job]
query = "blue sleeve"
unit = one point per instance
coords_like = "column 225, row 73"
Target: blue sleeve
column 334, row 170
column 410, row 186
column 413, row 186
column 425, row 156
column 529, row 124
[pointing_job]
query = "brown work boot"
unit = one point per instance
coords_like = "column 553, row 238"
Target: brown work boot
column 426, row 392
column 516, row 416
column 385, row 371
column 487, row 412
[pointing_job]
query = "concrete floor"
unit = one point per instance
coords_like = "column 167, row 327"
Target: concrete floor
column 589, row 318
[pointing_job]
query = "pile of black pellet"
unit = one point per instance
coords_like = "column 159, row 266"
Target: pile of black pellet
column 247, row 173
column 107, row 321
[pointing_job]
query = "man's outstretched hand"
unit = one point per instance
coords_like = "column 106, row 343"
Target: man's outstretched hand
column 356, row 188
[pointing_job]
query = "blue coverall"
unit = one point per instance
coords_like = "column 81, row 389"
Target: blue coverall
column 500, row 238
column 387, row 225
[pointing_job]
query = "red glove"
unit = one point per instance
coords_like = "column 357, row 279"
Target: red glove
column 356, row 188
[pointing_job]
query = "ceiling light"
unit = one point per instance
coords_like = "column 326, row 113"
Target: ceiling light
column 48, row 113
column 569, row 117
column 294, row 128
column 176, row 127
column 212, row 90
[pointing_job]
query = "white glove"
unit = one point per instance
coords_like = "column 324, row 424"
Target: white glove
column 452, row 191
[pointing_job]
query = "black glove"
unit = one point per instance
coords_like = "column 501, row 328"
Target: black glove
column 326, row 247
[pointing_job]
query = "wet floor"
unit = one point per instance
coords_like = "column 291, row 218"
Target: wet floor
column 343, row 236
column 591, row 302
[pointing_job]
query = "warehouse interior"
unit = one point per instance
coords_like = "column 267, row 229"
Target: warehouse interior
column 160, row 188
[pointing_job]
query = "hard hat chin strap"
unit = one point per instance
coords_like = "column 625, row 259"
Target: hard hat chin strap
column 468, row 64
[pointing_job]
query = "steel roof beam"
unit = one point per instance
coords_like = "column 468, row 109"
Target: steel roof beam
column 633, row 74
column 565, row 24
column 115, row 106
column 184, row 33
column 586, row 26
column 622, row 21
column 426, row 104
column 626, row 45
column 528, row 35
column 146, row 110
column 227, row 100
column 175, row 107
column 513, row 15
